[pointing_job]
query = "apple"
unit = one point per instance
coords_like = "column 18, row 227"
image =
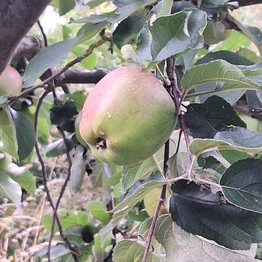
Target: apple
column 10, row 82
column 215, row 32
column 127, row 116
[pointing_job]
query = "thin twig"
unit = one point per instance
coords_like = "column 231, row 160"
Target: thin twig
column 45, row 181
column 160, row 202
column 42, row 32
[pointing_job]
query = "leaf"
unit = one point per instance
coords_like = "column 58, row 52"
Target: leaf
column 78, row 170
column 130, row 174
column 65, row 6
column 132, row 250
column 127, row 30
column 23, row 177
column 199, row 211
column 62, row 113
column 9, row 188
column 8, row 133
column 230, row 57
column 99, row 211
column 163, row 39
column 136, row 194
column 239, row 139
column 181, row 246
column 89, row 30
column 25, row 133
column 229, row 76
column 47, row 58
column 56, row 252
column 75, row 235
column 242, row 184
column 59, row 147
column 204, row 120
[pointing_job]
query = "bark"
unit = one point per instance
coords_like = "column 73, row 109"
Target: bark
column 16, row 19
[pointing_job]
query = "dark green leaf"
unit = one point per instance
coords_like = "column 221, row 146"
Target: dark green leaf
column 65, row 6
column 25, row 133
column 47, row 58
column 242, row 184
column 213, row 115
column 127, row 31
column 230, row 57
column 199, row 211
column 63, row 114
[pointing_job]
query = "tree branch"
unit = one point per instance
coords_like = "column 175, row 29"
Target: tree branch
column 73, row 76
column 16, row 18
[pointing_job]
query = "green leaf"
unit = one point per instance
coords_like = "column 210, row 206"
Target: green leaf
column 163, row 39
column 229, row 77
column 181, row 246
column 65, row 6
column 89, row 30
column 78, row 170
column 8, row 133
column 242, row 183
column 79, row 98
column 75, row 236
column 68, row 218
column 99, row 211
column 102, row 246
column 9, row 188
column 25, row 133
column 127, row 31
column 141, row 171
column 133, row 250
column 136, row 194
column 23, row 177
column 59, row 147
column 239, row 139
column 199, row 211
column 47, row 58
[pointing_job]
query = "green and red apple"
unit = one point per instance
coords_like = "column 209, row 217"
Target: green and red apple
column 10, row 82
column 127, row 117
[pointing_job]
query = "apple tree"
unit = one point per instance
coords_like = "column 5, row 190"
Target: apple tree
column 135, row 127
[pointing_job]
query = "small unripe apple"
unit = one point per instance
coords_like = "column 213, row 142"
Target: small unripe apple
column 215, row 32
column 10, row 82
column 127, row 117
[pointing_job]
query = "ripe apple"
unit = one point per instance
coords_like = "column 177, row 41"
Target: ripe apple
column 215, row 32
column 10, row 82
column 127, row 117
